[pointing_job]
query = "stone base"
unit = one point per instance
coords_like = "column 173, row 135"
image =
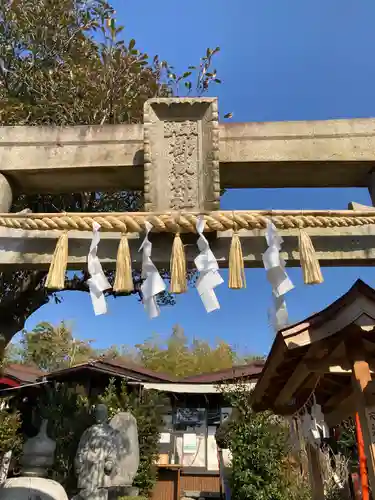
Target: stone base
column 122, row 492
column 32, row 488
column 191, row 498
column 132, row 498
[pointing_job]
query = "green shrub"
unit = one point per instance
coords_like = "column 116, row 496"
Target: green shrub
column 260, row 450
column 10, row 435
column 347, row 443
column 67, row 410
column 68, row 414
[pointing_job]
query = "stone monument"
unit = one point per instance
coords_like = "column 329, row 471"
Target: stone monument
column 125, row 426
column 107, row 459
column 96, row 458
column 38, row 456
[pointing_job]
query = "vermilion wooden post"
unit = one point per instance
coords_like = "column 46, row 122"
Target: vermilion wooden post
column 362, row 460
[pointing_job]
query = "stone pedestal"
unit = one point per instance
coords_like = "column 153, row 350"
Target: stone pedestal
column 32, row 488
column 123, row 492
column 38, row 455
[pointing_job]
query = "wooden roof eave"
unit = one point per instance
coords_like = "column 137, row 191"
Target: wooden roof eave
column 317, row 340
column 357, row 305
column 274, row 359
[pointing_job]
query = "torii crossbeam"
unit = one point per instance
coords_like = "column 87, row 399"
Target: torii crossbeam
column 181, row 158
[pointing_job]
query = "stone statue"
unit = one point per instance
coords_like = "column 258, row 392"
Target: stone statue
column 37, row 457
column 96, row 458
column 124, row 425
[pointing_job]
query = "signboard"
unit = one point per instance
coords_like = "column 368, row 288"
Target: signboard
column 189, row 443
column 370, row 411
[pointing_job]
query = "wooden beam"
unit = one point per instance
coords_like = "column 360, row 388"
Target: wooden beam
column 336, row 399
column 336, row 366
column 340, row 406
column 325, row 365
column 274, row 359
column 294, row 382
column 299, row 375
column 343, row 410
column 302, row 370
column 334, row 247
column 315, row 472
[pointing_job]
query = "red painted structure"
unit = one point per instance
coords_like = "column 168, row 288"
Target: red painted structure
column 15, row 375
column 362, row 460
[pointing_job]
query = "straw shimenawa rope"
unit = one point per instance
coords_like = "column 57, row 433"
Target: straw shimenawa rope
column 134, row 222
column 125, row 223
column 237, row 279
column 312, row 275
column 124, row 277
column 178, row 266
column 56, row 275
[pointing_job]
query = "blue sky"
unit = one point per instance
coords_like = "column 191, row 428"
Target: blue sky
column 279, row 60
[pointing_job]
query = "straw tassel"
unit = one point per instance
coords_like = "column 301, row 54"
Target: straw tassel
column 237, row 278
column 124, row 275
column 178, row 266
column 57, row 269
column 312, row 274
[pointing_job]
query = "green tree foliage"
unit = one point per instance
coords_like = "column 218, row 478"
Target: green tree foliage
column 181, row 359
column 53, row 347
column 259, row 446
column 65, row 63
column 148, row 410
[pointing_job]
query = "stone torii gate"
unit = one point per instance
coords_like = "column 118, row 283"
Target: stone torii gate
column 182, row 157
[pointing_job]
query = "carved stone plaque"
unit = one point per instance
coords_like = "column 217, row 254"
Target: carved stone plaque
column 181, row 155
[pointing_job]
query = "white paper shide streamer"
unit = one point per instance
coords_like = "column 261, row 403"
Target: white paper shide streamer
column 277, row 276
column 153, row 282
column 318, row 417
column 314, row 427
column 98, row 283
column 209, row 277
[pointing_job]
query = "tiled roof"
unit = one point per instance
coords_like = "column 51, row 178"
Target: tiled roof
column 112, row 367
column 23, row 374
column 139, row 373
column 252, row 370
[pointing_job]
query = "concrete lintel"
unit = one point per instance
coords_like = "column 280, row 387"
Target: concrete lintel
column 334, row 247
column 329, row 153
column 72, row 159
column 332, row 153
